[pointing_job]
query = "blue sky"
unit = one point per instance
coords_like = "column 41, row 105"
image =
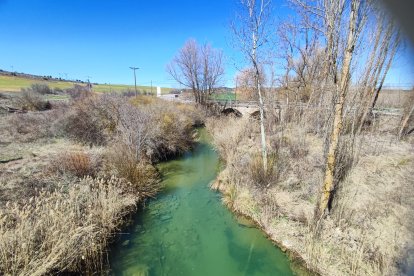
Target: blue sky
column 102, row 38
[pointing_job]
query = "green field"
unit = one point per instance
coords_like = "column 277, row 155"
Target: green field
column 16, row 83
column 224, row 96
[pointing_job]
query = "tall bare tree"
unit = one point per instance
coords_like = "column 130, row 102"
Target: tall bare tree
column 303, row 58
column 356, row 20
column 386, row 43
column 251, row 30
column 199, row 68
column 343, row 27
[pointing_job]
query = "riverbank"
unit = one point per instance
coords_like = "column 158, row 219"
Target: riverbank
column 370, row 230
column 70, row 175
column 186, row 230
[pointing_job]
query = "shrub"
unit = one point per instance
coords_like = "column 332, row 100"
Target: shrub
column 78, row 92
column 128, row 93
column 77, row 163
column 298, row 147
column 41, row 88
column 142, row 175
column 137, row 130
column 93, row 119
column 83, row 126
column 143, row 100
column 155, row 129
column 32, row 101
column 258, row 174
column 57, row 90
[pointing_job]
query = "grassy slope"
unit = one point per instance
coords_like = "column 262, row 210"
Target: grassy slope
column 14, row 84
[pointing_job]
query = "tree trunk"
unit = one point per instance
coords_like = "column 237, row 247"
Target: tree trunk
column 262, row 128
column 405, row 123
column 329, row 180
column 261, row 104
column 375, row 91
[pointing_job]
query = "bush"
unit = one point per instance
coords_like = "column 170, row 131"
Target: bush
column 83, row 126
column 142, row 175
column 57, row 90
column 143, row 100
column 78, row 92
column 93, row 119
column 77, row 163
column 41, row 88
column 258, row 174
column 154, row 129
column 129, row 93
column 30, row 100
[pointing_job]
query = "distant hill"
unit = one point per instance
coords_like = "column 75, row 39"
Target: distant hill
column 14, row 82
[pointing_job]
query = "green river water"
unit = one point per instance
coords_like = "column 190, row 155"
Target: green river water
column 188, row 231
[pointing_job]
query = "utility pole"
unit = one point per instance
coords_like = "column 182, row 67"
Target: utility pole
column 89, row 84
column 135, row 79
column 151, row 87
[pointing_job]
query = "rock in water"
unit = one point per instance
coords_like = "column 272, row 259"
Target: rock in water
column 245, row 222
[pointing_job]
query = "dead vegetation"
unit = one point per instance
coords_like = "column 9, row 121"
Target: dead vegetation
column 370, row 228
column 333, row 193
column 71, row 174
column 63, row 230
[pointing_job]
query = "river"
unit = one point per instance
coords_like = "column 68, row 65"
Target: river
column 188, row 231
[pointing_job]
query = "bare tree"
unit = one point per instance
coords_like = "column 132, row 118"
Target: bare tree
column 342, row 27
column 246, row 83
column 199, row 68
column 356, row 20
column 303, row 58
column 386, row 43
column 252, row 32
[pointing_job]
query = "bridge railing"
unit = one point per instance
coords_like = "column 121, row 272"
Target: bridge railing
column 280, row 105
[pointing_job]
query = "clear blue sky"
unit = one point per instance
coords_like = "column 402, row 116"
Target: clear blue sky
column 102, row 38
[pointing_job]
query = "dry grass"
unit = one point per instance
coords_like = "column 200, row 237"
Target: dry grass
column 394, row 98
column 32, row 126
column 63, row 230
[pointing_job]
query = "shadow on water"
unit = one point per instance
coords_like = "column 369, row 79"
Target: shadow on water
column 187, row 230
